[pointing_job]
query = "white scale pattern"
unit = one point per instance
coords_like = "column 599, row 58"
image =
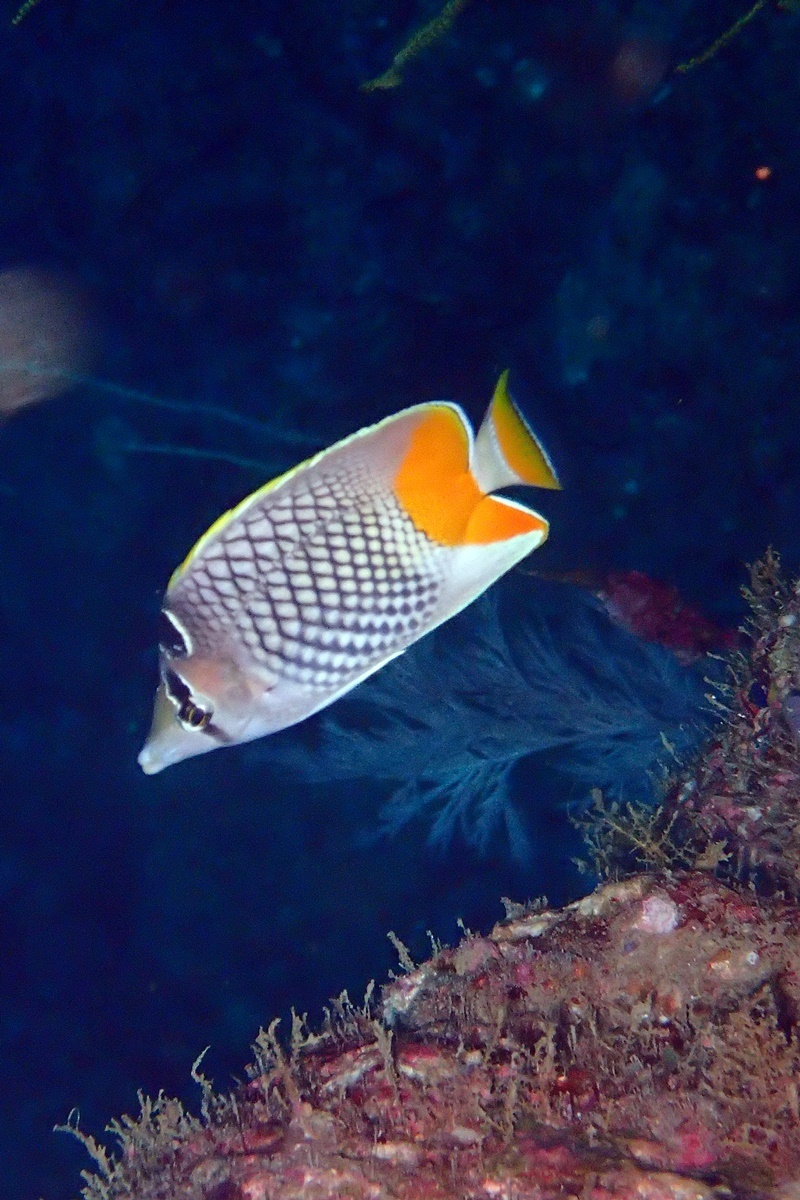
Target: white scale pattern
column 319, row 581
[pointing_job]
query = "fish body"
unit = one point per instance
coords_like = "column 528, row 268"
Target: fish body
column 322, row 576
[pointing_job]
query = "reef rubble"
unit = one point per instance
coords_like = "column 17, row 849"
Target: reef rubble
column 642, row 1042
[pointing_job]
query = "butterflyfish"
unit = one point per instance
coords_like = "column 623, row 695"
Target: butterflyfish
column 320, row 577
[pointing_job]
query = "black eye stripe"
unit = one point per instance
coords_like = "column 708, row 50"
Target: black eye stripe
column 190, row 714
column 170, row 638
column 176, row 688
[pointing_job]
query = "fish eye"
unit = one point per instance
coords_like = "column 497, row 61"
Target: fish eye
column 190, row 714
column 172, row 639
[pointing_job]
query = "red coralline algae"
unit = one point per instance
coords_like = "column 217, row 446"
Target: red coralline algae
column 656, row 612
column 638, row 1043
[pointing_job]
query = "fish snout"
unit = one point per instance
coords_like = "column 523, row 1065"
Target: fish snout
column 168, row 742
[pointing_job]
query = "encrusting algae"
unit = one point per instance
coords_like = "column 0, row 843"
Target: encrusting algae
column 641, row 1042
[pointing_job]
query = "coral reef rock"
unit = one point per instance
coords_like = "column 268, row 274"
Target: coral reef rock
column 642, row 1042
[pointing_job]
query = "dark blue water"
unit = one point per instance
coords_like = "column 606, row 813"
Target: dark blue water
column 252, row 232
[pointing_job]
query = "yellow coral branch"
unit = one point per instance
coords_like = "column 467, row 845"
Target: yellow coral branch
column 23, row 11
column 723, row 39
column 435, row 29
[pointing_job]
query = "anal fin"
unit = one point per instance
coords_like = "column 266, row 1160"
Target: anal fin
column 496, row 519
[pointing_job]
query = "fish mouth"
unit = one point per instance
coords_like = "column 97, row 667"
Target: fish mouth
column 150, row 762
column 165, row 751
column 168, row 742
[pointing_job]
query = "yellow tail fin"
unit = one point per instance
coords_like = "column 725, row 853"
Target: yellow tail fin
column 507, row 450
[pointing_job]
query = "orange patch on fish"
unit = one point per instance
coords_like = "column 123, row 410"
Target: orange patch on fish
column 497, row 520
column 434, row 483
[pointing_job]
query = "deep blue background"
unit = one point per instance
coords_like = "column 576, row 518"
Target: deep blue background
column 257, row 234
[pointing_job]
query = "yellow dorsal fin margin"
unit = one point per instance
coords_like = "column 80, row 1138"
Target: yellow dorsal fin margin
column 230, row 515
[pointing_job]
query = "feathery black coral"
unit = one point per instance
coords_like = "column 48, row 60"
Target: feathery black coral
column 532, row 669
